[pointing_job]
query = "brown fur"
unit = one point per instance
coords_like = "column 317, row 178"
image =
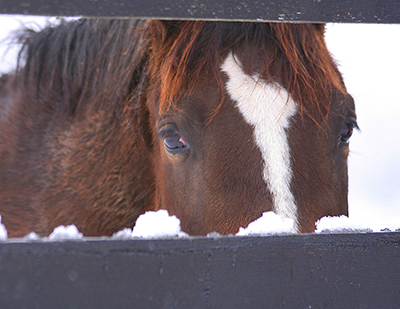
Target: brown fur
column 81, row 140
column 75, row 147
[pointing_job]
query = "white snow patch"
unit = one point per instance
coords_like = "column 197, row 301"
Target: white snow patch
column 32, row 236
column 65, row 233
column 269, row 223
column 153, row 224
column 126, row 233
column 340, row 224
column 3, row 231
column 214, row 235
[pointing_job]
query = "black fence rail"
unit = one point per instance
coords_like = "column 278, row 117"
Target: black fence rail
column 294, row 271
column 339, row 11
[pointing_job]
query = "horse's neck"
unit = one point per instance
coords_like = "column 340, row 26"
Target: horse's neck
column 92, row 170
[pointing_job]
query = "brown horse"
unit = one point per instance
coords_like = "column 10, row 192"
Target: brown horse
column 217, row 122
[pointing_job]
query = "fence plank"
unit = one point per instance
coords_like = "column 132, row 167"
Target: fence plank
column 343, row 11
column 296, row 271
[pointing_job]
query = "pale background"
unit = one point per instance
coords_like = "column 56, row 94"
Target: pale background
column 369, row 58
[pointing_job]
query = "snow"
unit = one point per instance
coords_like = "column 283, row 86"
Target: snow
column 153, row 224
column 343, row 224
column 32, row 236
column 269, row 223
column 3, row 231
column 62, row 232
column 340, row 224
column 159, row 224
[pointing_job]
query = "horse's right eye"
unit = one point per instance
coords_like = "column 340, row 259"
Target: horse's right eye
column 173, row 140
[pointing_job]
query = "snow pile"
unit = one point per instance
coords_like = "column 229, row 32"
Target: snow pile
column 153, row 224
column 32, row 236
column 3, row 231
column 65, row 233
column 341, row 224
column 159, row 224
column 269, row 223
column 59, row 233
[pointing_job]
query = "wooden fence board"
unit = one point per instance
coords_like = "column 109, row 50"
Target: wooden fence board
column 343, row 11
column 294, row 271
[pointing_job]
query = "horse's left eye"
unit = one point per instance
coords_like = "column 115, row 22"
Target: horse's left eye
column 347, row 131
column 173, row 140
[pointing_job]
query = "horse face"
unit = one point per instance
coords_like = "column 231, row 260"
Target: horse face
column 220, row 166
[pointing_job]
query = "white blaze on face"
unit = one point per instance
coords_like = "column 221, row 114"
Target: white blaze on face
column 267, row 107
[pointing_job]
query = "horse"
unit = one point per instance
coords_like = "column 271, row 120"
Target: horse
column 217, row 122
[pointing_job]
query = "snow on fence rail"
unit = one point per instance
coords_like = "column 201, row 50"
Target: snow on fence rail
column 343, row 11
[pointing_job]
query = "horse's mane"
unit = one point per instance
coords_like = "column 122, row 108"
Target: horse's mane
column 103, row 60
column 83, row 61
column 300, row 60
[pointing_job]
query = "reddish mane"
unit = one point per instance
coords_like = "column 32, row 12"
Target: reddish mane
column 305, row 67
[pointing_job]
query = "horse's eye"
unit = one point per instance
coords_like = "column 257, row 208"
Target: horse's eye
column 173, row 140
column 347, row 131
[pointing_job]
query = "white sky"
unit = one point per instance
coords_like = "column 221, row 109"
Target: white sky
column 369, row 58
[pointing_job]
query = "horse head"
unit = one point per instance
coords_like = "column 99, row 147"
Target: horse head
column 247, row 118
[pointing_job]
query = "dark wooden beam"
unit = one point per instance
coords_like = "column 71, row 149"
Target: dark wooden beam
column 294, row 271
column 341, row 11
